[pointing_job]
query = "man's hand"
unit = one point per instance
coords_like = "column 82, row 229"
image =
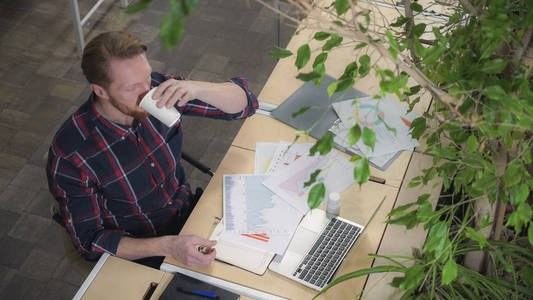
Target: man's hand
column 185, row 249
column 226, row 96
column 172, row 91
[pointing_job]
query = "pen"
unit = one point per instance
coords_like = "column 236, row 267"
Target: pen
column 150, row 291
column 198, row 293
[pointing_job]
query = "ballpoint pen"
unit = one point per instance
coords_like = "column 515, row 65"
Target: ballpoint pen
column 205, row 294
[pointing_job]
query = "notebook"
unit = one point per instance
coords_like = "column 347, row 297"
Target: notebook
column 318, row 248
column 242, row 256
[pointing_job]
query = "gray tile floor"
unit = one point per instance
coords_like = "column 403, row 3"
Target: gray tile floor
column 41, row 84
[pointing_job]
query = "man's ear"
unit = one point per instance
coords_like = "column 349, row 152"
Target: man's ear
column 99, row 91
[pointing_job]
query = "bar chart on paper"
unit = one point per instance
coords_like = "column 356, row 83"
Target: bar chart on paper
column 250, row 207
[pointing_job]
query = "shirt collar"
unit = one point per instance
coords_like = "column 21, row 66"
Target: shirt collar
column 104, row 124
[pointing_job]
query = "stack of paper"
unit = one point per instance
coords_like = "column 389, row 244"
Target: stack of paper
column 386, row 117
column 261, row 211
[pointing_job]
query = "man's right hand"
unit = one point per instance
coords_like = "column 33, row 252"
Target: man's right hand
column 184, row 248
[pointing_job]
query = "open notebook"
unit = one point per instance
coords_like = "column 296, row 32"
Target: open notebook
column 243, row 256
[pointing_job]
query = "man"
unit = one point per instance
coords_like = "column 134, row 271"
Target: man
column 116, row 171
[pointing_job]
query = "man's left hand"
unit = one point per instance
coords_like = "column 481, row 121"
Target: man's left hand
column 175, row 91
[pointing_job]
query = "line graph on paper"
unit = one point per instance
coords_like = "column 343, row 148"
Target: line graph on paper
column 251, row 208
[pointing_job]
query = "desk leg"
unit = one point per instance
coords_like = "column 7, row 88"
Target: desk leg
column 91, row 276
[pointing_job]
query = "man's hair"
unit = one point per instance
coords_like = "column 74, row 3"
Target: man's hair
column 104, row 47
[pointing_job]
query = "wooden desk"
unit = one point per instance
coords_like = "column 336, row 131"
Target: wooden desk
column 357, row 205
column 116, row 278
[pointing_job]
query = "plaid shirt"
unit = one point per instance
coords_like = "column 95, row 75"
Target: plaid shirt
column 112, row 181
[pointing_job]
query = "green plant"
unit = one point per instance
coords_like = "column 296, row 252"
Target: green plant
column 172, row 26
column 479, row 131
column 480, row 135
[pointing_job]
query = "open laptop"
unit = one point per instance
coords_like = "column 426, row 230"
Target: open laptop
column 317, row 248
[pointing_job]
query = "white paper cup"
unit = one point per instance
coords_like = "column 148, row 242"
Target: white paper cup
column 168, row 116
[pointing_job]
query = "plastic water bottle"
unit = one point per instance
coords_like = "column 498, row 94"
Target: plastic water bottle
column 334, row 204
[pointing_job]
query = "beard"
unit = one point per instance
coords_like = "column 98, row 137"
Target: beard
column 136, row 112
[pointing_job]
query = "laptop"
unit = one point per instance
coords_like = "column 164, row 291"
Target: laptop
column 318, row 248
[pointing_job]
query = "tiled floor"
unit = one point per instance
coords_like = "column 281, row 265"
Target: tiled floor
column 41, row 84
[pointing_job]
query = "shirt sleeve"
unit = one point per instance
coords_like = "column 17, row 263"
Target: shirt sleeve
column 199, row 108
column 80, row 202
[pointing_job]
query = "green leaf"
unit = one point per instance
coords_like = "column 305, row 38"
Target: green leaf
column 530, row 233
column 413, row 277
column 171, row 31
column 360, row 45
column 422, row 198
column 323, row 145
column 355, row 158
column 334, row 41
column 476, row 236
column 354, row 134
column 369, row 138
column 400, row 210
column 302, row 110
column 320, row 59
column 519, row 194
column 420, row 51
column 332, row 88
column 308, row 76
column 418, row 127
column 424, row 212
column 436, row 238
column 361, row 171
column 494, row 66
column 280, row 53
column 321, row 70
column 511, row 176
column 302, row 57
column 350, row 71
column 416, row 7
column 316, row 195
column 449, row 272
column 341, row 6
column 495, row 92
column 399, row 21
column 141, row 5
column 364, row 65
column 312, row 178
column 418, row 30
column 526, row 274
column 485, row 220
column 344, row 84
column 320, row 36
column 413, row 184
column 471, row 143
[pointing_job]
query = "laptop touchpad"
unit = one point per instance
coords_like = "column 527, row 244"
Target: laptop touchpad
column 303, row 240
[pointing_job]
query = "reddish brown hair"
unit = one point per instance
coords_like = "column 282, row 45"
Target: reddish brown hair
column 104, row 47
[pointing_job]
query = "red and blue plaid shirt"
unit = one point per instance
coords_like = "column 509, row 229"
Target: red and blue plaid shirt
column 112, row 181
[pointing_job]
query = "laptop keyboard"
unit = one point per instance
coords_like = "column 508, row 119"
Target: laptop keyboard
column 327, row 253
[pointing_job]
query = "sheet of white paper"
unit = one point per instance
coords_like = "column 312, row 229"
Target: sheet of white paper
column 264, row 152
column 250, row 207
column 377, row 114
column 286, row 153
column 288, row 183
column 271, row 243
column 341, row 139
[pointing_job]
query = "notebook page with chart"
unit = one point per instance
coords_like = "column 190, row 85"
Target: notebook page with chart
column 254, row 215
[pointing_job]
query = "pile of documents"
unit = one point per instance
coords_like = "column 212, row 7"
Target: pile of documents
column 389, row 120
column 262, row 210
